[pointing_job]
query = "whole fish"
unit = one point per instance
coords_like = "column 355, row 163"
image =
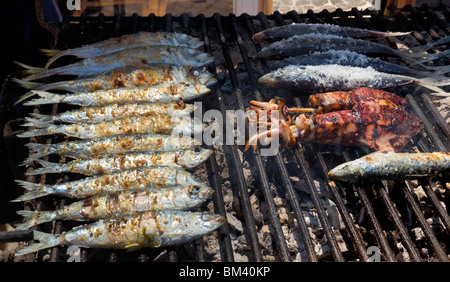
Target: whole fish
column 112, row 111
column 287, row 31
column 146, row 229
column 111, row 145
column 157, row 93
column 392, row 165
column 126, row 41
column 130, row 179
column 128, row 77
column 188, row 158
column 310, row 43
column 324, row 78
column 122, row 203
column 137, row 57
column 161, row 124
column 353, row 59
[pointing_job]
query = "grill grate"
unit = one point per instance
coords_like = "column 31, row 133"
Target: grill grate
column 380, row 213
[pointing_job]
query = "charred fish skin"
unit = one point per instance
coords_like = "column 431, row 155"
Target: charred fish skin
column 122, row 203
column 189, row 158
column 109, row 112
column 391, row 165
column 146, row 229
column 158, row 93
column 159, row 124
column 287, row 31
column 112, row 145
column 128, row 77
column 131, row 179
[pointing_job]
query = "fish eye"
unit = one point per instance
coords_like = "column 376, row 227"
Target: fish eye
column 193, row 191
column 197, row 151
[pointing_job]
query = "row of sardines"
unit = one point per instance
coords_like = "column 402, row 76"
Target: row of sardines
column 130, row 134
column 342, row 70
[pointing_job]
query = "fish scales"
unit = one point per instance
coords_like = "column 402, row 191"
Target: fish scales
column 145, row 229
column 111, row 145
column 130, row 179
column 122, row 203
column 391, row 165
column 189, row 158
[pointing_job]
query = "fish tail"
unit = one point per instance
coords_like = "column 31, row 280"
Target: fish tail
column 55, row 55
column 431, row 84
column 387, row 34
column 50, row 52
column 45, row 241
column 27, row 84
column 41, row 123
column 29, row 69
column 41, row 117
column 40, row 150
column 34, row 132
column 34, row 218
column 45, row 98
column 34, row 191
column 47, row 167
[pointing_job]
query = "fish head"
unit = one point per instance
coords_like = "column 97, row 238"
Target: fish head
column 203, row 77
column 180, row 141
column 200, row 193
column 200, row 58
column 349, row 171
column 193, row 157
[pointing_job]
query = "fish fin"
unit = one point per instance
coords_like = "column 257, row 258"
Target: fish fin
column 34, row 191
column 39, row 150
column 430, row 84
column 34, row 132
column 28, row 84
column 45, row 241
column 37, row 122
column 397, row 33
column 34, row 218
column 41, row 117
column 50, row 52
column 45, row 98
column 24, row 97
column 29, row 69
column 55, row 55
column 47, row 167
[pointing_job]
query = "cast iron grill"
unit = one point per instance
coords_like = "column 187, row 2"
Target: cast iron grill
column 305, row 215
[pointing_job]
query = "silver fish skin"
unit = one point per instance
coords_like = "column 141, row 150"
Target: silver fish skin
column 310, row 43
column 323, row 78
column 112, row 111
column 392, row 165
column 112, row 145
column 122, row 203
column 189, row 158
column 287, row 31
column 160, row 124
column 130, row 179
column 126, row 41
column 163, row 93
column 127, row 77
column 137, row 57
column 146, row 229
column 347, row 58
